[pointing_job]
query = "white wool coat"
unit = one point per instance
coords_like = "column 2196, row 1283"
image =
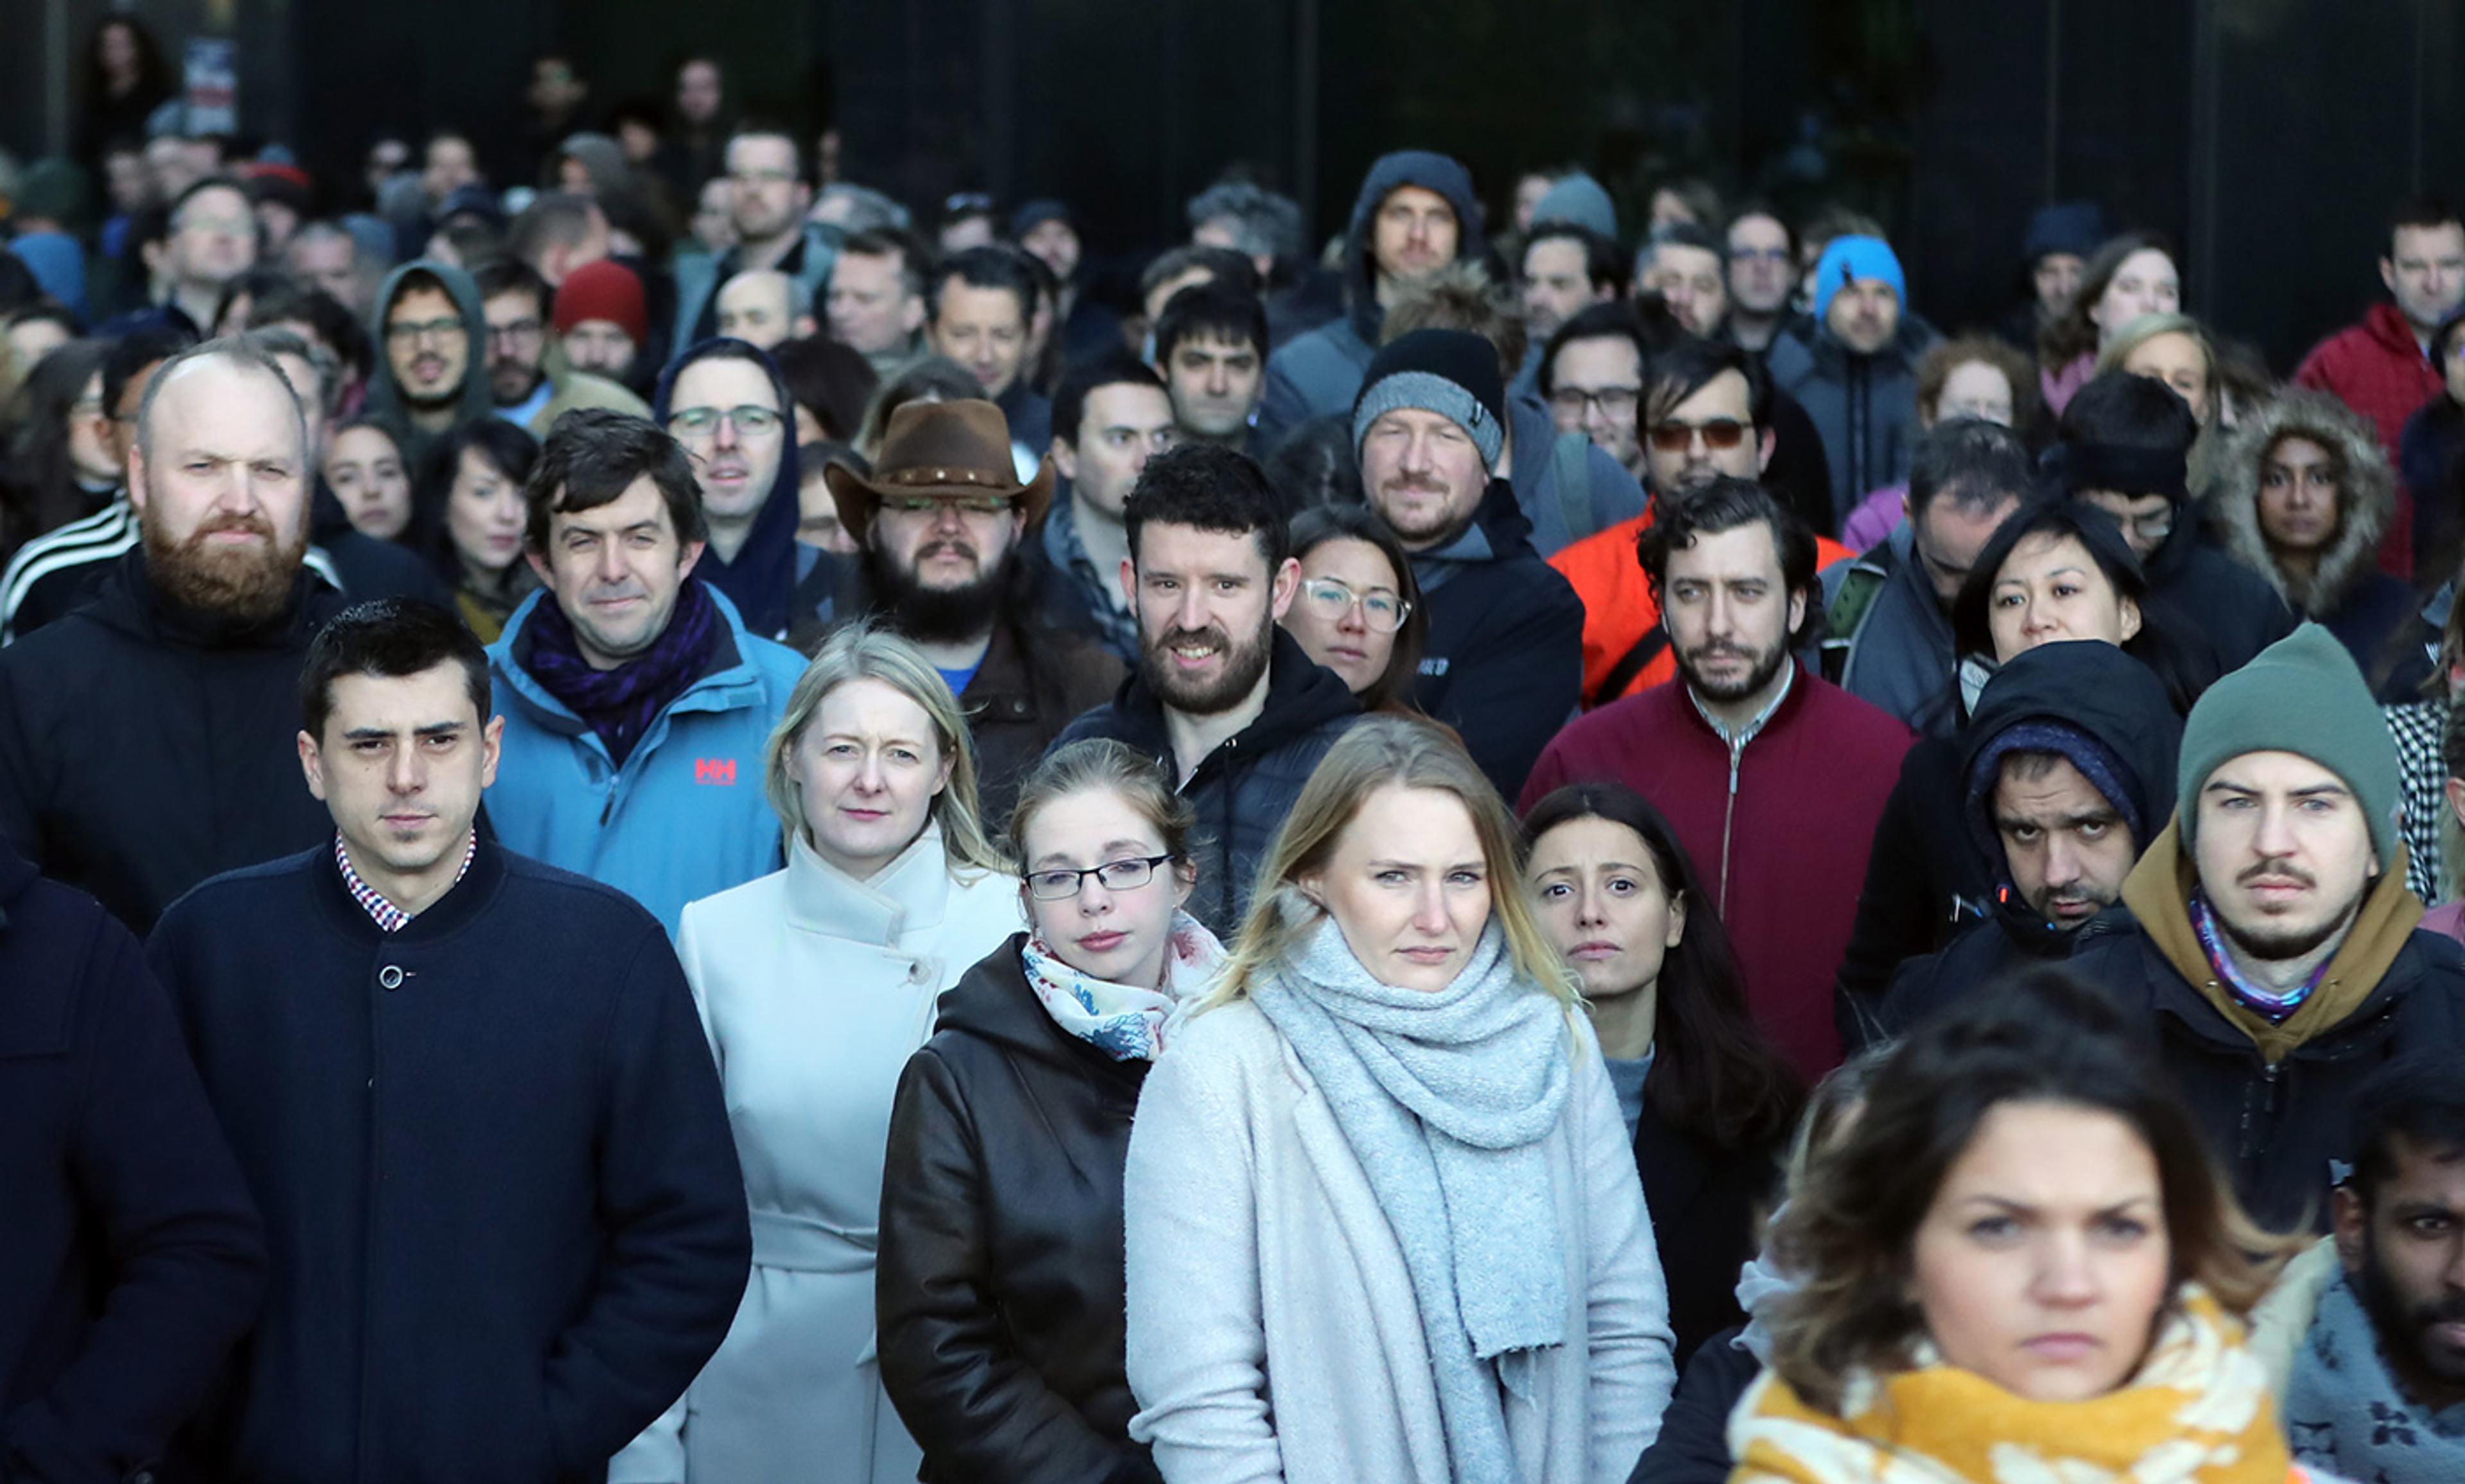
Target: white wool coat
column 815, row 990
column 1274, row 1332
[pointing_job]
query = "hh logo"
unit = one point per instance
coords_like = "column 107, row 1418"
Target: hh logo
column 715, row 770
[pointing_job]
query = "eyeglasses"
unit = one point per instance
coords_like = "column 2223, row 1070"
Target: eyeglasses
column 1383, row 611
column 1616, row 402
column 405, row 332
column 1778, row 254
column 1113, row 875
column 2152, row 528
column 928, row 505
column 703, row 422
column 1720, row 433
column 519, row 330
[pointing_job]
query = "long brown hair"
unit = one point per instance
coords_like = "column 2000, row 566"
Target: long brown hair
column 1848, row 1230
column 1714, row 1072
column 2074, row 335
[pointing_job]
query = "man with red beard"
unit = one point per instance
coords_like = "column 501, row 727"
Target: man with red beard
column 1223, row 697
column 147, row 739
column 941, row 521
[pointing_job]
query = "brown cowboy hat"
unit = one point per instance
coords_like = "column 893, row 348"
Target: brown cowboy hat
column 940, row 450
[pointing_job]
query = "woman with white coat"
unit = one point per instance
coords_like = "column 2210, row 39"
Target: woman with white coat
column 1381, row 1217
column 816, row 983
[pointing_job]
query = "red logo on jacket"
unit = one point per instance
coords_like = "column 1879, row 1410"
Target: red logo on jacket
column 715, row 770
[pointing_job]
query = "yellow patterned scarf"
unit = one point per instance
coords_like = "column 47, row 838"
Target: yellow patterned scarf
column 2198, row 1412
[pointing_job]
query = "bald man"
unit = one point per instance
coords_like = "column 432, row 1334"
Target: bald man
column 146, row 739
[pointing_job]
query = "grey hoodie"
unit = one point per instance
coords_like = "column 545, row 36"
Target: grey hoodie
column 385, row 401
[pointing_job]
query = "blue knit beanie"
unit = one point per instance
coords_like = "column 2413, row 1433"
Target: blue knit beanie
column 1855, row 257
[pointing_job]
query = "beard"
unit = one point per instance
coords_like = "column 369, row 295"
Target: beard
column 246, row 584
column 1243, row 666
column 2272, row 944
column 939, row 616
column 2404, row 1327
column 1766, row 669
column 1435, row 525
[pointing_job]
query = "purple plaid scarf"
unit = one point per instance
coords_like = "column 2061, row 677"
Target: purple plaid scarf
column 620, row 704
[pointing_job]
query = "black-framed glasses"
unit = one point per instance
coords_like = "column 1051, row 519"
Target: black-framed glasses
column 1616, row 402
column 703, row 422
column 1062, row 883
column 1380, row 608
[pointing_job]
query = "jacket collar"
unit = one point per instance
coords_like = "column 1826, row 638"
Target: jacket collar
column 462, row 904
column 732, row 683
column 1301, row 696
column 131, row 602
column 2158, row 891
column 1778, row 707
column 908, row 893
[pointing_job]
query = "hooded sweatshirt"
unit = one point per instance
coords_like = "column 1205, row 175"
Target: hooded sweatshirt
column 2347, row 592
column 2089, row 687
column 1319, row 372
column 1864, row 405
column 385, row 398
column 761, row 578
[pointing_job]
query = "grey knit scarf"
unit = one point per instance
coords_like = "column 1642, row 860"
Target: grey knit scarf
column 1445, row 1098
column 2343, row 1410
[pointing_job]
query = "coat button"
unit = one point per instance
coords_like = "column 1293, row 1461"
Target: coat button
column 391, row 976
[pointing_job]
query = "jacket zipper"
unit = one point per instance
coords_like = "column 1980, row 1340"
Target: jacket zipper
column 1729, row 819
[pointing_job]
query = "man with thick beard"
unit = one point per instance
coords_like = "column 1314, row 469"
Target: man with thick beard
column 1223, row 697
column 144, row 744
column 2271, row 938
column 1773, row 778
column 2377, row 1382
column 940, row 522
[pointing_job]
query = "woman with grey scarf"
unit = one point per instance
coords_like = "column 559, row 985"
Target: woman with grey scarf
column 1382, row 1219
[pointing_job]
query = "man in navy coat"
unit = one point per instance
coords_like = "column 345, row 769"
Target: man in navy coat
column 472, row 1097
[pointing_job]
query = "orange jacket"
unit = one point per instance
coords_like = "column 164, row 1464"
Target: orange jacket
column 1618, row 607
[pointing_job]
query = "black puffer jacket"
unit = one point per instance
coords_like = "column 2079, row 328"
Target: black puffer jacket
column 1504, row 664
column 144, row 746
column 998, row 1301
column 1245, row 788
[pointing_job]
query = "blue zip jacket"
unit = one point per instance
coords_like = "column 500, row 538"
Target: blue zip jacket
column 686, row 816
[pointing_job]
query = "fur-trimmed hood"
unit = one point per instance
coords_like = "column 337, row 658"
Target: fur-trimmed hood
column 2367, row 495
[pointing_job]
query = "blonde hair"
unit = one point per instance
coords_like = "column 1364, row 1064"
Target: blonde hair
column 2208, row 450
column 1378, row 752
column 862, row 652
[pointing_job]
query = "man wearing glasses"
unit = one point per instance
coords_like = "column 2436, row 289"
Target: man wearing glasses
column 1762, row 274
column 724, row 403
column 430, row 332
column 768, row 194
column 528, row 375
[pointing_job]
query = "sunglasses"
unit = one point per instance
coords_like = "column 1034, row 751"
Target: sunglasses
column 1719, row 434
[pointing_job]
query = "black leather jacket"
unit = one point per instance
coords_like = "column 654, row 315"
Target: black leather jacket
column 998, row 1298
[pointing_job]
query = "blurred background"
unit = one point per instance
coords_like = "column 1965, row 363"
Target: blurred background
column 2269, row 138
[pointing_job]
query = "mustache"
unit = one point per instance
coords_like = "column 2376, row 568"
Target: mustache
column 2275, row 873
column 1213, row 634
column 1417, row 484
column 953, row 547
column 2450, row 1310
column 248, row 520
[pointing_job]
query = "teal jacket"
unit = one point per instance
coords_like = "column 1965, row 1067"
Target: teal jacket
column 686, row 816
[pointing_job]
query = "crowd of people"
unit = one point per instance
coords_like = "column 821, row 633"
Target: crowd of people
column 657, row 825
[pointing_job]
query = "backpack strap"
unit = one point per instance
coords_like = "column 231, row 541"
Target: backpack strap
column 1631, row 664
column 1846, row 612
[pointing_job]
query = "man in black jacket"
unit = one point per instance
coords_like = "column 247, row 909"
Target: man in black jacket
column 2065, row 772
column 131, row 1258
column 1222, row 697
column 2270, row 938
column 142, row 740
column 470, row 1096
column 1504, row 664
column 2125, row 448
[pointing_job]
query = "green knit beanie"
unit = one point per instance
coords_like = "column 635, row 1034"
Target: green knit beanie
column 2305, row 695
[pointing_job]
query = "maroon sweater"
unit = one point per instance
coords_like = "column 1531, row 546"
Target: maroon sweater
column 1779, row 843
